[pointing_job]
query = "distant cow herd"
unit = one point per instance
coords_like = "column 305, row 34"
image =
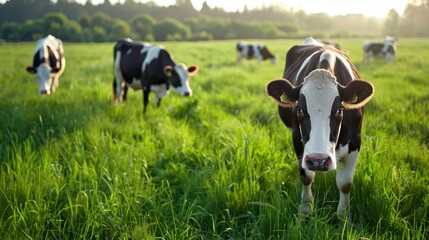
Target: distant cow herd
column 320, row 96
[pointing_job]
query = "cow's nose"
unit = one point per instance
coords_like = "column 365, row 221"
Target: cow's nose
column 44, row 92
column 187, row 94
column 318, row 162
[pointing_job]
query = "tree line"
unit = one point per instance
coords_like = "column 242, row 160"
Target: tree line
column 28, row 20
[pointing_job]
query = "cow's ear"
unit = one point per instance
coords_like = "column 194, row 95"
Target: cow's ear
column 356, row 94
column 283, row 92
column 168, row 70
column 31, row 70
column 192, row 70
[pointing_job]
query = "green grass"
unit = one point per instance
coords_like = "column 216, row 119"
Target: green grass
column 219, row 165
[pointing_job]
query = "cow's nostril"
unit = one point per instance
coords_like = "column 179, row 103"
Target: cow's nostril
column 318, row 162
column 187, row 94
column 43, row 92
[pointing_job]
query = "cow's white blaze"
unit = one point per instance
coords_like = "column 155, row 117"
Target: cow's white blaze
column 44, row 78
column 182, row 72
column 320, row 90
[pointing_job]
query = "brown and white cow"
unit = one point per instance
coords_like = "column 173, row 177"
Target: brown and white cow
column 254, row 50
column 148, row 67
column 386, row 50
column 48, row 63
column 321, row 99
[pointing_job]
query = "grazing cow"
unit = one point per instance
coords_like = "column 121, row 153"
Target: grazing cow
column 379, row 50
column 321, row 100
column 48, row 63
column 148, row 67
column 258, row 51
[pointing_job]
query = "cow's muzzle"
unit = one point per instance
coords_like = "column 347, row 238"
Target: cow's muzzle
column 318, row 162
column 44, row 92
column 186, row 94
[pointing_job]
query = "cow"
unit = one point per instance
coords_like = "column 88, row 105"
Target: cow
column 48, row 63
column 321, row 99
column 150, row 68
column 380, row 50
column 254, row 50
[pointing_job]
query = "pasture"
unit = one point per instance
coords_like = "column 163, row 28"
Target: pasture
column 219, row 165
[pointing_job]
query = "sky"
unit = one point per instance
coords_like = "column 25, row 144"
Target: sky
column 374, row 8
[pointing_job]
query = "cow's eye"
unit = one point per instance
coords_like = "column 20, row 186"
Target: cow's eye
column 299, row 112
column 340, row 112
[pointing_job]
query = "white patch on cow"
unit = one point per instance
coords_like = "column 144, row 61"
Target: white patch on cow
column 136, row 84
column 346, row 64
column 345, row 173
column 118, row 77
column 330, row 56
column 152, row 52
column 304, row 64
column 256, row 52
column 182, row 71
column 320, row 90
column 243, row 52
column 312, row 41
column 160, row 91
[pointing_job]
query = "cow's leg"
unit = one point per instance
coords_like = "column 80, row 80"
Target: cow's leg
column 145, row 99
column 55, row 83
column 124, row 92
column 118, row 90
column 345, row 175
column 158, row 102
column 307, row 178
column 115, row 93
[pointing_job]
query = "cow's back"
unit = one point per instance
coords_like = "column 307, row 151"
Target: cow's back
column 302, row 59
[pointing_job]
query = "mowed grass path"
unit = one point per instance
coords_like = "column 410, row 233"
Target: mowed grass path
column 219, row 165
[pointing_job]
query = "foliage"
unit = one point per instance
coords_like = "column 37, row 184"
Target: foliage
column 268, row 22
column 219, row 165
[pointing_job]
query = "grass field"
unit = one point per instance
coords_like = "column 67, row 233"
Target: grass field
column 219, row 165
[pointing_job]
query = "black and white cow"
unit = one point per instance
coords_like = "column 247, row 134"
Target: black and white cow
column 321, row 100
column 385, row 50
column 48, row 63
column 148, row 67
column 254, row 50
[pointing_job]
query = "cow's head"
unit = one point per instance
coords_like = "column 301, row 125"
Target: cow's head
column 319, row 105
column 43, row 73
column 179, row 77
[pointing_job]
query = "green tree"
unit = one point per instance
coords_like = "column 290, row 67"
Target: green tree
column 171, row 27
column 142, row 25
column 391, row 24
column 85, row 20
column 120, row 29
column 10, row 31
column 99, row 34
column 101, row 19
